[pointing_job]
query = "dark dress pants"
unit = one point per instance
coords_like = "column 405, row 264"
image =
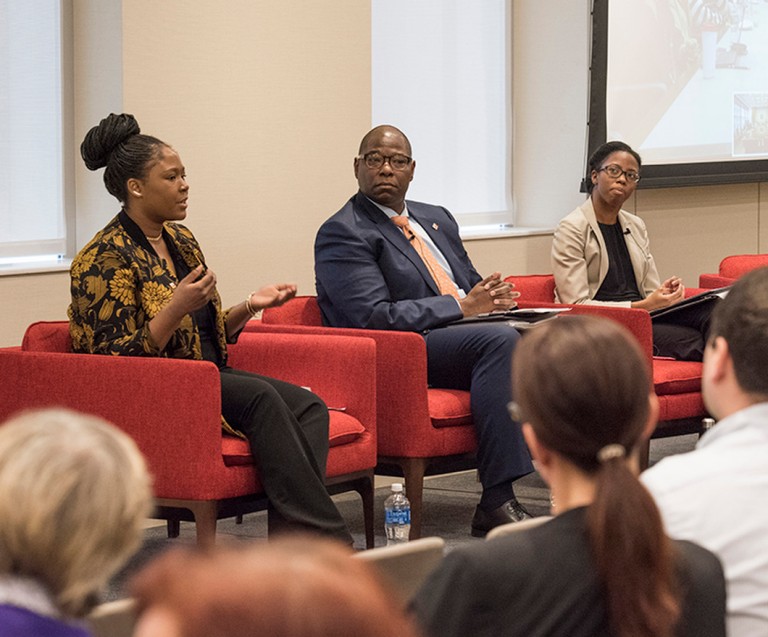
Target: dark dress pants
column 287, row 428
column 682, row 335
column 478, row 357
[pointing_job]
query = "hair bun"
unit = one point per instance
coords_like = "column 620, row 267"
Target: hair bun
column 101, row 140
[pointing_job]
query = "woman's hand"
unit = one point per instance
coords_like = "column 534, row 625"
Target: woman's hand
column 670, row 292
column 272, row 295
column 674, row 284
column 193, row 291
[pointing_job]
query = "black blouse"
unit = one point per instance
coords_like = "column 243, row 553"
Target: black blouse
column 619, row 283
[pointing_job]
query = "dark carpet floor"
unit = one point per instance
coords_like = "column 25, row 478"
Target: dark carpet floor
column 449, row 503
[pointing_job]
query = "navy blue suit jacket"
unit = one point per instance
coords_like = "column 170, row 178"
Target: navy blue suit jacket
column 368, row 275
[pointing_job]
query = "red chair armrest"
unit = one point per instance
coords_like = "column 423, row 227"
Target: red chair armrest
column 736, row 265
column 401, row 372
column 712, row 281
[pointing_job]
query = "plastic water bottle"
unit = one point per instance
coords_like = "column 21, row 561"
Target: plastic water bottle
column 397, row 516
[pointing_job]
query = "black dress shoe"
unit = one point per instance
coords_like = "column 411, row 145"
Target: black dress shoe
column 511, row 511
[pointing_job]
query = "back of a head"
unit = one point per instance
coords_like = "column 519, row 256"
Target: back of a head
column 74, row 492
column 583, row 385
column 291, row 587
column 117, row 144
column 741, row 318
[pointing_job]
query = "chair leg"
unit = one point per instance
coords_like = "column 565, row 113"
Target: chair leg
column 413, row 472
column 366, row 494
column 174, row 528
column 205, row 523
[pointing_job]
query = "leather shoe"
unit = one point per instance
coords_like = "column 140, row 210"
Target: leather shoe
column 511, row 511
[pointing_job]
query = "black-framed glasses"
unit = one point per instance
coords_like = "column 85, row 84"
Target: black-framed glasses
column 615, row 171
column 374, row 159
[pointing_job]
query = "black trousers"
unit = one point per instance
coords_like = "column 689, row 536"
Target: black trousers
column 682, row 334
column 287, row 428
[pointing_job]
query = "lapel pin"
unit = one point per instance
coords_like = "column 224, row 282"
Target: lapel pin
column 435, row 226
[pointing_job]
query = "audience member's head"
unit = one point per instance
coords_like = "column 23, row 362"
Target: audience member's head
column 74, row 491
column 736, row 357
column 583, row 390
column 292, row 587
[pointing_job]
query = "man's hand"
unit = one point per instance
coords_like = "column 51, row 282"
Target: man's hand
column 490, row 294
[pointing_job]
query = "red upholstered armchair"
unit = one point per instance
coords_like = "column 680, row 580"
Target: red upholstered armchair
column 421, row 430
column 172, row 408
column 677, row 383
column 731, row 268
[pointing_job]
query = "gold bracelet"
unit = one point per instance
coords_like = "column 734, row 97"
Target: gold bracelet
column 249, row 307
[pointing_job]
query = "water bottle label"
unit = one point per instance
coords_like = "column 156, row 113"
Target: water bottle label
column 402, row 516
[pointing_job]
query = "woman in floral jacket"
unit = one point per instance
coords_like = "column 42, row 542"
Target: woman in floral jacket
column 141, row 287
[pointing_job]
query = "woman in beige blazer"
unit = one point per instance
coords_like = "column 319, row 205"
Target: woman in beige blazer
column 601, row 255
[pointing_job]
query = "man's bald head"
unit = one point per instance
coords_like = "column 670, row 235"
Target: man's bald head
column 375, row 134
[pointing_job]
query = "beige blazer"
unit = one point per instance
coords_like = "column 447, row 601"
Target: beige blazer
column 580, row 258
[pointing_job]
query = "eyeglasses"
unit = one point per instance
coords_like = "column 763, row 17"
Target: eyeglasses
column 615, row 171
column 375, row 159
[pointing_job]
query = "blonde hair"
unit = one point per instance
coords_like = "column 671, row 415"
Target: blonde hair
column 74, row 491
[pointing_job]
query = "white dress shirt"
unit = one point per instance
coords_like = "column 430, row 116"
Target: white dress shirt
column 717, row 496
column 419, row 230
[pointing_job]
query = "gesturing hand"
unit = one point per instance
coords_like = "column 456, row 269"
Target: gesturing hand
column 272, row 295
column 194, row 290
column 490, row 294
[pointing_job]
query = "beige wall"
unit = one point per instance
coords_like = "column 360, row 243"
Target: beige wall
column 266, row 103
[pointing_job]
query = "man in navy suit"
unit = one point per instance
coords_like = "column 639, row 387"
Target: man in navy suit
column 369, row 275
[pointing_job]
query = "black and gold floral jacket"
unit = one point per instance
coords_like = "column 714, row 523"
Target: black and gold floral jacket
column 118, row 285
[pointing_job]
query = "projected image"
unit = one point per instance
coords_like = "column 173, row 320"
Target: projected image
column 687, row 79
column 750, row 124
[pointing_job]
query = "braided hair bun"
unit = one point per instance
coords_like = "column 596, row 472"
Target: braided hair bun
column 101, row 140
column 118, row 144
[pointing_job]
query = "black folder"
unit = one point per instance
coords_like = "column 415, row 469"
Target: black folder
column 707, row 296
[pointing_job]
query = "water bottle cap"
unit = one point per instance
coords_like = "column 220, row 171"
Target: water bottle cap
column 397, row 487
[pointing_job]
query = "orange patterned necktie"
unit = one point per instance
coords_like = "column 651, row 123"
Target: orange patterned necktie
column 443, row 281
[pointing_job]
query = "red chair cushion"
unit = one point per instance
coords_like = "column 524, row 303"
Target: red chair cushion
column 344, row 429
column 676, row 377
column 236, row 451
column 449, row 407
column 680, row 406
